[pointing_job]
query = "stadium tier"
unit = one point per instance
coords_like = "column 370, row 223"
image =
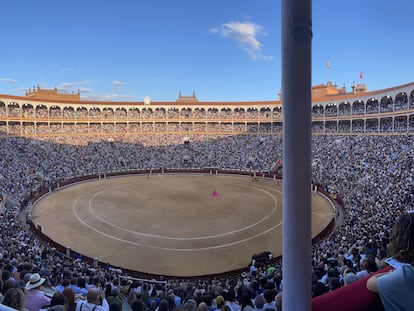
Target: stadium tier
column 46, row 112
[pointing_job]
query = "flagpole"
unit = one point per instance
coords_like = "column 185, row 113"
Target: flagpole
column 328, row 65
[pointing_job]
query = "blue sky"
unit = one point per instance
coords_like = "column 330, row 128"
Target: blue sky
column 224, row 50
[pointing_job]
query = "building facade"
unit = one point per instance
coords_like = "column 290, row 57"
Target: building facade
column 48, row 113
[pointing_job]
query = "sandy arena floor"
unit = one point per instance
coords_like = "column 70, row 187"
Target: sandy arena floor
column 172, row 224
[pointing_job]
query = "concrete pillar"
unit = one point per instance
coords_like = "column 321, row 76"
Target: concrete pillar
column 297, row 93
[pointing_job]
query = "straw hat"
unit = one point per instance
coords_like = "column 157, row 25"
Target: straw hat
column 35, row 281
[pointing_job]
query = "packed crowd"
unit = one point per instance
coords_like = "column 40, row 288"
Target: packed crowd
column 372, row 174
column 25, row 164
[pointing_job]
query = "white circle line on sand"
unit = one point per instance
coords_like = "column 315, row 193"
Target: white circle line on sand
column 168, row 248
column 182, row 238
column 74, row 205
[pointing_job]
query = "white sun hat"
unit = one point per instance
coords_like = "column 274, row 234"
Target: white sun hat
column 35, row 281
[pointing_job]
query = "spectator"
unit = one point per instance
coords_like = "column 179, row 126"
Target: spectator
column 219, row 302
column 349, row 278
column 396, row 288
column 70, row 296
column 258, row 303
column 153, row 301
column 1, row 291
column 190, row 305
column 115, row 305
column 319, row 289
column 137, row 305
column 278, row 300
column 269, row 299
column 35, row 297
column 246, row 301
column 176, row 298
column 163, row 306
column 59, row 302
column 231, row 301
column 14, row 298
column 202, row 306
column 94, row 301
column 334, row 283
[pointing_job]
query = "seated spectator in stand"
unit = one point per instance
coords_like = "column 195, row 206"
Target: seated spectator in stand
column 318, row 289
column 231, row 301
column 219, row 302
column 349, row 278
column 48, row 288
column 35, row 297
column 258, row 303
column 131, row 294
column 154, row 300
column 108, row 290
column 114, row 297
column 177, row 299
column 246, row 301
column 62, row 285
column 253, row 269
column 202, row 306
column 11, row 269
column 164, row 306
column 334, row 283
column 115, row 306
column 396, row 288
column 94, row 301
column 59, row 302
column 81, row 287
column 70, row 295
column 6, row 275
column 190, row 305
column 14, row 298
column 7, row 285
column 278, row 300
column 138, row 305
column 123, row 287
column 1, row 291
column 363, row 272
column 269, row 298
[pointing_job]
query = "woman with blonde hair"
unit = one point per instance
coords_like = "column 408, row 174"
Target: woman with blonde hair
column 396, row 288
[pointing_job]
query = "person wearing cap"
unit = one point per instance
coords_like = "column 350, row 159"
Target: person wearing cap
column 35, row 297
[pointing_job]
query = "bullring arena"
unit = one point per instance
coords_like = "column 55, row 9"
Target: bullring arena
column 110, row 179
column 179, row 225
